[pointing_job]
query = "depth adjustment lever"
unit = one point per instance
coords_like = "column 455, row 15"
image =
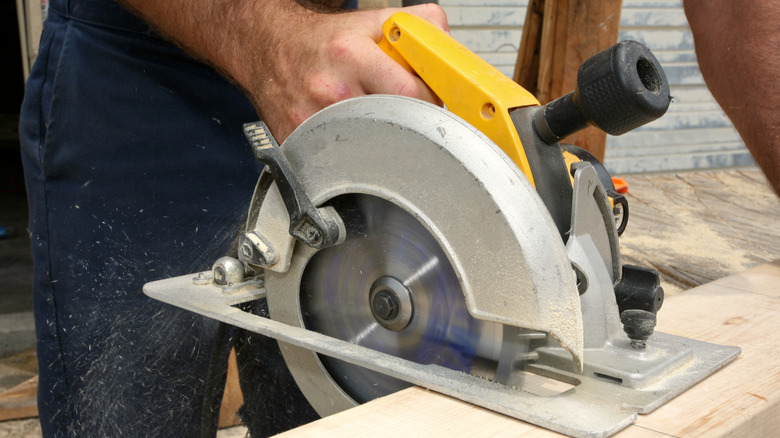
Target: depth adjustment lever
column 316, row 227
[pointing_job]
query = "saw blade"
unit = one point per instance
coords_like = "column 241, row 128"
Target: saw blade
column 391, row 288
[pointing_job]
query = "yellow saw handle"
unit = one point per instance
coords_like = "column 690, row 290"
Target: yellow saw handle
column 469, row 86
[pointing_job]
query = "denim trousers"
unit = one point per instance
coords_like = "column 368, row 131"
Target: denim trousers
column 136, row 169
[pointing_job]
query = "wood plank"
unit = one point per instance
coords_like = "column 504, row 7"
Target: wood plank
column 527, row 63
column 232, row 399
column 697, row 227
column 742, row 399
column 20, row 402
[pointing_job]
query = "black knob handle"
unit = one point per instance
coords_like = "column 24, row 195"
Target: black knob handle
column 639, row 288
column 620, row 89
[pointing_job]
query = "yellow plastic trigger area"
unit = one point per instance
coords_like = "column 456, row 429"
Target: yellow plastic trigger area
column 468, row 85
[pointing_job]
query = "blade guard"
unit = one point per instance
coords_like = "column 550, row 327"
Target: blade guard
column 483, row 96
column 515, row 272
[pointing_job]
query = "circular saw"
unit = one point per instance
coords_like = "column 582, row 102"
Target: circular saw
column 461, row 248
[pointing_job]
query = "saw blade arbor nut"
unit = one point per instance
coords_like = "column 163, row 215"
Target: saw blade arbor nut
column 391, row 303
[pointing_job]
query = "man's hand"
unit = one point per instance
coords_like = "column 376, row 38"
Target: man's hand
column 335, row 57
column 291, row 61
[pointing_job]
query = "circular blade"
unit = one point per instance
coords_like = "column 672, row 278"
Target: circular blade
column 384, row 241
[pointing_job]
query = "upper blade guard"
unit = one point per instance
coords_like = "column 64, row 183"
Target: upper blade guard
column 485, row 215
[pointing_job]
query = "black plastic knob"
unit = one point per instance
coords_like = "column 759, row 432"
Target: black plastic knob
column 618, row 90
column 639, row 288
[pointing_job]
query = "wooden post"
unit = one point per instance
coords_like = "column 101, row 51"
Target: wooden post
column 557, row 37
column 232, row 399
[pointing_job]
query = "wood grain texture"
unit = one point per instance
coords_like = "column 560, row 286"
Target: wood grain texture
column 232, row 398
column 527, row 65
column 697, row 227
column 742, row 399
column 21, row 401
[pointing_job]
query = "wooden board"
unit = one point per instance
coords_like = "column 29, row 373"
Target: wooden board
column 232, row 398
column 697, row 227
column 20, row 401
column 742, row 399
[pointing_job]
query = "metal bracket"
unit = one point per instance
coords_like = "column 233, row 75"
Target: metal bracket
column 594, row 407
column 317, row 227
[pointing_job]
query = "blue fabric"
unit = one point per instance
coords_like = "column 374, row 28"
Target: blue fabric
column 136, row 169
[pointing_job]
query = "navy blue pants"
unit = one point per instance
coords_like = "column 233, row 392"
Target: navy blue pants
column 136, row 169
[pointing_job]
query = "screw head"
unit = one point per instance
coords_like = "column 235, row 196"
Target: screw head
column 247, row 250
column 385, row 305
column 313, row 235
column 219, row 275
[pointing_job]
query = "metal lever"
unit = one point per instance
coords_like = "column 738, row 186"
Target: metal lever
column 317, row 227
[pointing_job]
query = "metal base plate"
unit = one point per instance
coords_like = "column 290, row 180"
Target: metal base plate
column 497, row 237
column 593, row 407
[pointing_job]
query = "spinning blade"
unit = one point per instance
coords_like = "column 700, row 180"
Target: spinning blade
column 392, row 263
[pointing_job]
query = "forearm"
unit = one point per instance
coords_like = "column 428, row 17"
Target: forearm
column 290, row 60
column 736, row 45
column 225, row 34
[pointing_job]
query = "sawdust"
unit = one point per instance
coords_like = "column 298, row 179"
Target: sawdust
column 701, row 226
